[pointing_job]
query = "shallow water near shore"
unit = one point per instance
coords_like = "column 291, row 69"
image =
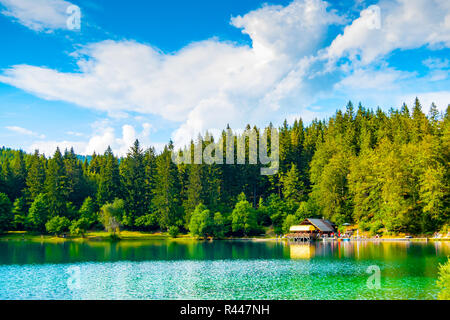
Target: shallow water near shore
column 161, row 269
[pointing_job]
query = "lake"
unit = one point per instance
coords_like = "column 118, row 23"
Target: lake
column 162, row 269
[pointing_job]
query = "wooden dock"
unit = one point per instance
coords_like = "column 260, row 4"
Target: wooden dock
column 299, row 237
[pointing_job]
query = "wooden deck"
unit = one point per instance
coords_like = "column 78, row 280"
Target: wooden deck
column 299, row 237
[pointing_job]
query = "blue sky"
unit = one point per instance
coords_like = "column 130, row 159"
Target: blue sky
column 160, row 70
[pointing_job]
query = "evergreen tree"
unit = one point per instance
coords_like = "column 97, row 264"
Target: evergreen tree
column 150, row 177
column 36, row 175
column 193, row 192
column 133, row 176
column 56, row 185
column 19, row 175
column 6, row 217
column 75, row 180
column 166, row 194
column 39, row 213
column 293, row 187
column 88, row 211
column 7, row 179
column 108, row 179
column 386, row 171
column 19, row 212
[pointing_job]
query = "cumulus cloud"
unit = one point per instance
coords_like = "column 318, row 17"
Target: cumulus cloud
column 211, row 83
column 103, row 136
column 204, row 84
column 294, row 31
column 440, row 98
column 368, row 78
column 405, row 24
column 38, row 15
column 23, row 131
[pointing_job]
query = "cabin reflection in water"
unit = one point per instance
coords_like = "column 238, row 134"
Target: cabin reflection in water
column 302, row 251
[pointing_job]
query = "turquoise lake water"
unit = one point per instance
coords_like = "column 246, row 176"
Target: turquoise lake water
column 160, row 269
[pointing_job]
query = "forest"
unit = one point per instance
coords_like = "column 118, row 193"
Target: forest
column 386, row 172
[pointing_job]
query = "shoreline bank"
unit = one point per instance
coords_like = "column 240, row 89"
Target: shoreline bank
column 142, row 236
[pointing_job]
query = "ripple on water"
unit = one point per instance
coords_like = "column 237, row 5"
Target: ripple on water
column 209, row 279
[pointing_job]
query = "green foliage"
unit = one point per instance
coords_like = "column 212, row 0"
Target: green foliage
column 288, row 222
column 202, row 222
column 56, row 185
column 6, row 217
column 263, row 215
column 147, row 222
column 167, row 190
column 303, row 212
column 87, row 211
column 243, row 218
column 133, row 173
column 71, row 211
column 194, row 191
column 36, row 175
column 39, row 213
column 75, row 181
column 387, row 172
column 57, row 225
column 293, row 187
column 218, row 226
column 444, row 281
column 278, row 210
column 19, row 212
column 79, row 227
column 174, row 231
column 111, row 215
column 108, row 179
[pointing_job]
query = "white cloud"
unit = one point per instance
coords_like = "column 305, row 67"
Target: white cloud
column 436, row 63
column 439, row 68
column 440, row 98
column 405, row 24
column 104, row 135
column 49, row 147
column 294, row 31
column 203, row 85
column 24, row 131
column 369, row 78
column 210, row 83
column 74, row 133
column 38, row 15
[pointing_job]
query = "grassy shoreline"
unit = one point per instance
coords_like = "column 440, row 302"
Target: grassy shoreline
column 106, row 236
column 139, row 236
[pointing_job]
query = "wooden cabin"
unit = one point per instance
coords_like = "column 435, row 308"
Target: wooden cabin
column 311, row 229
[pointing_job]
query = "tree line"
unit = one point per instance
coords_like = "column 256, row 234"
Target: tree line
column 385, row 171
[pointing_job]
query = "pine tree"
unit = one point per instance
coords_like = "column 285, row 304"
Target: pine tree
column 76, row 183
column 19, row 175
column 7, row 179
column 150, row 177
column 6, row 217
column 193, row 192
column 293, row 187
column 56, row 185
column 19, row 212
column 166, row 194
column 133, row 176
column 108, row 179
column 36, row 175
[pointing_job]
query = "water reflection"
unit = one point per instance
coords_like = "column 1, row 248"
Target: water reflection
column 23, row 252
column 302, row 251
